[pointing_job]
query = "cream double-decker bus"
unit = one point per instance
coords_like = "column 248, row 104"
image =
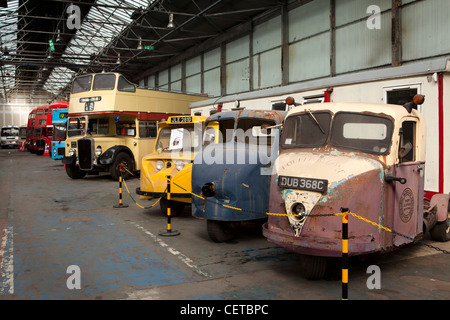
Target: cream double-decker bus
column 112, row 122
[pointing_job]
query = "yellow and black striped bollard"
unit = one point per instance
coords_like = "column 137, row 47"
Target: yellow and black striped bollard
column 169, row 232
column 344, row 253
column 121, row 204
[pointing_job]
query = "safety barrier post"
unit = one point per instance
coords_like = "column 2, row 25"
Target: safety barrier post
column 344, row 253
column 169, row 232
column 120, row 205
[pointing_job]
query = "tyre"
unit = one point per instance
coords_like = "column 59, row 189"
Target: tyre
column 441, row 231
column 176, row 208
column 313, row 267
column 221, row 231
column 125, row 159
column 74, row 171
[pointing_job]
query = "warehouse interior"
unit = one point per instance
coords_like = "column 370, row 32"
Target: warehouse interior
column 260, row 59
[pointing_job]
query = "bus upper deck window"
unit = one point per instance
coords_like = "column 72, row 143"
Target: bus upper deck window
column 125, row 85
column 81, row 84
column 104, row 81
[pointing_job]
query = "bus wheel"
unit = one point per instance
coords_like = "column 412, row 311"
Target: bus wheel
column 176, row 208
column 220, row 231
column 313, row 267
column 441, row 231
column 125, row 159
column 74, row 171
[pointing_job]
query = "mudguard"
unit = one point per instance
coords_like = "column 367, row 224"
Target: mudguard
column 441, row 202
column 107, row 157
column 69, row 160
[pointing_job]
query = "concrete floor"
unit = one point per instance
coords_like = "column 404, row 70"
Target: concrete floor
column 49, row 222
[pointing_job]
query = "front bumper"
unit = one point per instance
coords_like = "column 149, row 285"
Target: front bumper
column 162, row 194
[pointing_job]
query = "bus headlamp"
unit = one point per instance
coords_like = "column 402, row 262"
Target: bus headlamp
column 159, row 164
column 98, row 151
column 179, row 165
column 71, row 152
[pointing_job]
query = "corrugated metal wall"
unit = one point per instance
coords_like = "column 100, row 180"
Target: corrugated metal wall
column 324, row 38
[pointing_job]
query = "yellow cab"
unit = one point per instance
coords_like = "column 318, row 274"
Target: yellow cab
column 179, row 140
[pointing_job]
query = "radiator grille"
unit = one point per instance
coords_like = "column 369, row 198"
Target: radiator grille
column 85, row 155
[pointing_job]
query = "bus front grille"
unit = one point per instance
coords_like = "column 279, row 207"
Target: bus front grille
column 85, row 154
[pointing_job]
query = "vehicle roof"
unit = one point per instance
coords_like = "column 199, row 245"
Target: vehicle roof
column 275, row 115
column 59, row 104
column 392, row 110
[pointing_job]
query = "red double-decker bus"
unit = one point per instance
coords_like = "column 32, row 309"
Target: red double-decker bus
column 39, row 130
column 43, row 130
column 29, row 142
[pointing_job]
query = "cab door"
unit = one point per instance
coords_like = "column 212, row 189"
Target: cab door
column 408, row 203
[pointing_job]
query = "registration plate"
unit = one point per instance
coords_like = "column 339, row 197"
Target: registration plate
column 300, row 183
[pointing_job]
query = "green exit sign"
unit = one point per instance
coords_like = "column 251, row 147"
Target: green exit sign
column 52, row 46
column 149, row 47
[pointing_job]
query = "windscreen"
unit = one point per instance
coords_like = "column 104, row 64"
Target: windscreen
column 180, row 139
column 82, row 84
column 59, row 132
column 76, row 126
column 309, row 129
column 104, row 82
column 363, row 132
column 10, row 132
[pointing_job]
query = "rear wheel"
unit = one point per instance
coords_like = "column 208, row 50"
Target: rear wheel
column 441, row 231
column 220, row 231
column 125, row 160
column 313, row 267
column 74, row 171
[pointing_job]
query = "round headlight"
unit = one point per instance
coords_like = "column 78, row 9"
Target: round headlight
column 179, row 165
column 71, row 152
column 98, row 151
column 159, row 164
column 299, row 209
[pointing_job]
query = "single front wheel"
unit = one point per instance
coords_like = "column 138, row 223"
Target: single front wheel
column 221, row 231
column 441, row 231
column 74, row 172
column 125, row 160
column 313, row 267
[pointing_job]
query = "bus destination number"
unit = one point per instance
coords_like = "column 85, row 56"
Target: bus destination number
column 318, row 185
column 180, row 119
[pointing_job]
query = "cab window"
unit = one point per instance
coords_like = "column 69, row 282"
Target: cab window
column 406, row 148
column 147, row 129
column 250, row 131
column 82, row 84
column 126, row 128
column 98, row 126
column 125, row 85
column 76, row 126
